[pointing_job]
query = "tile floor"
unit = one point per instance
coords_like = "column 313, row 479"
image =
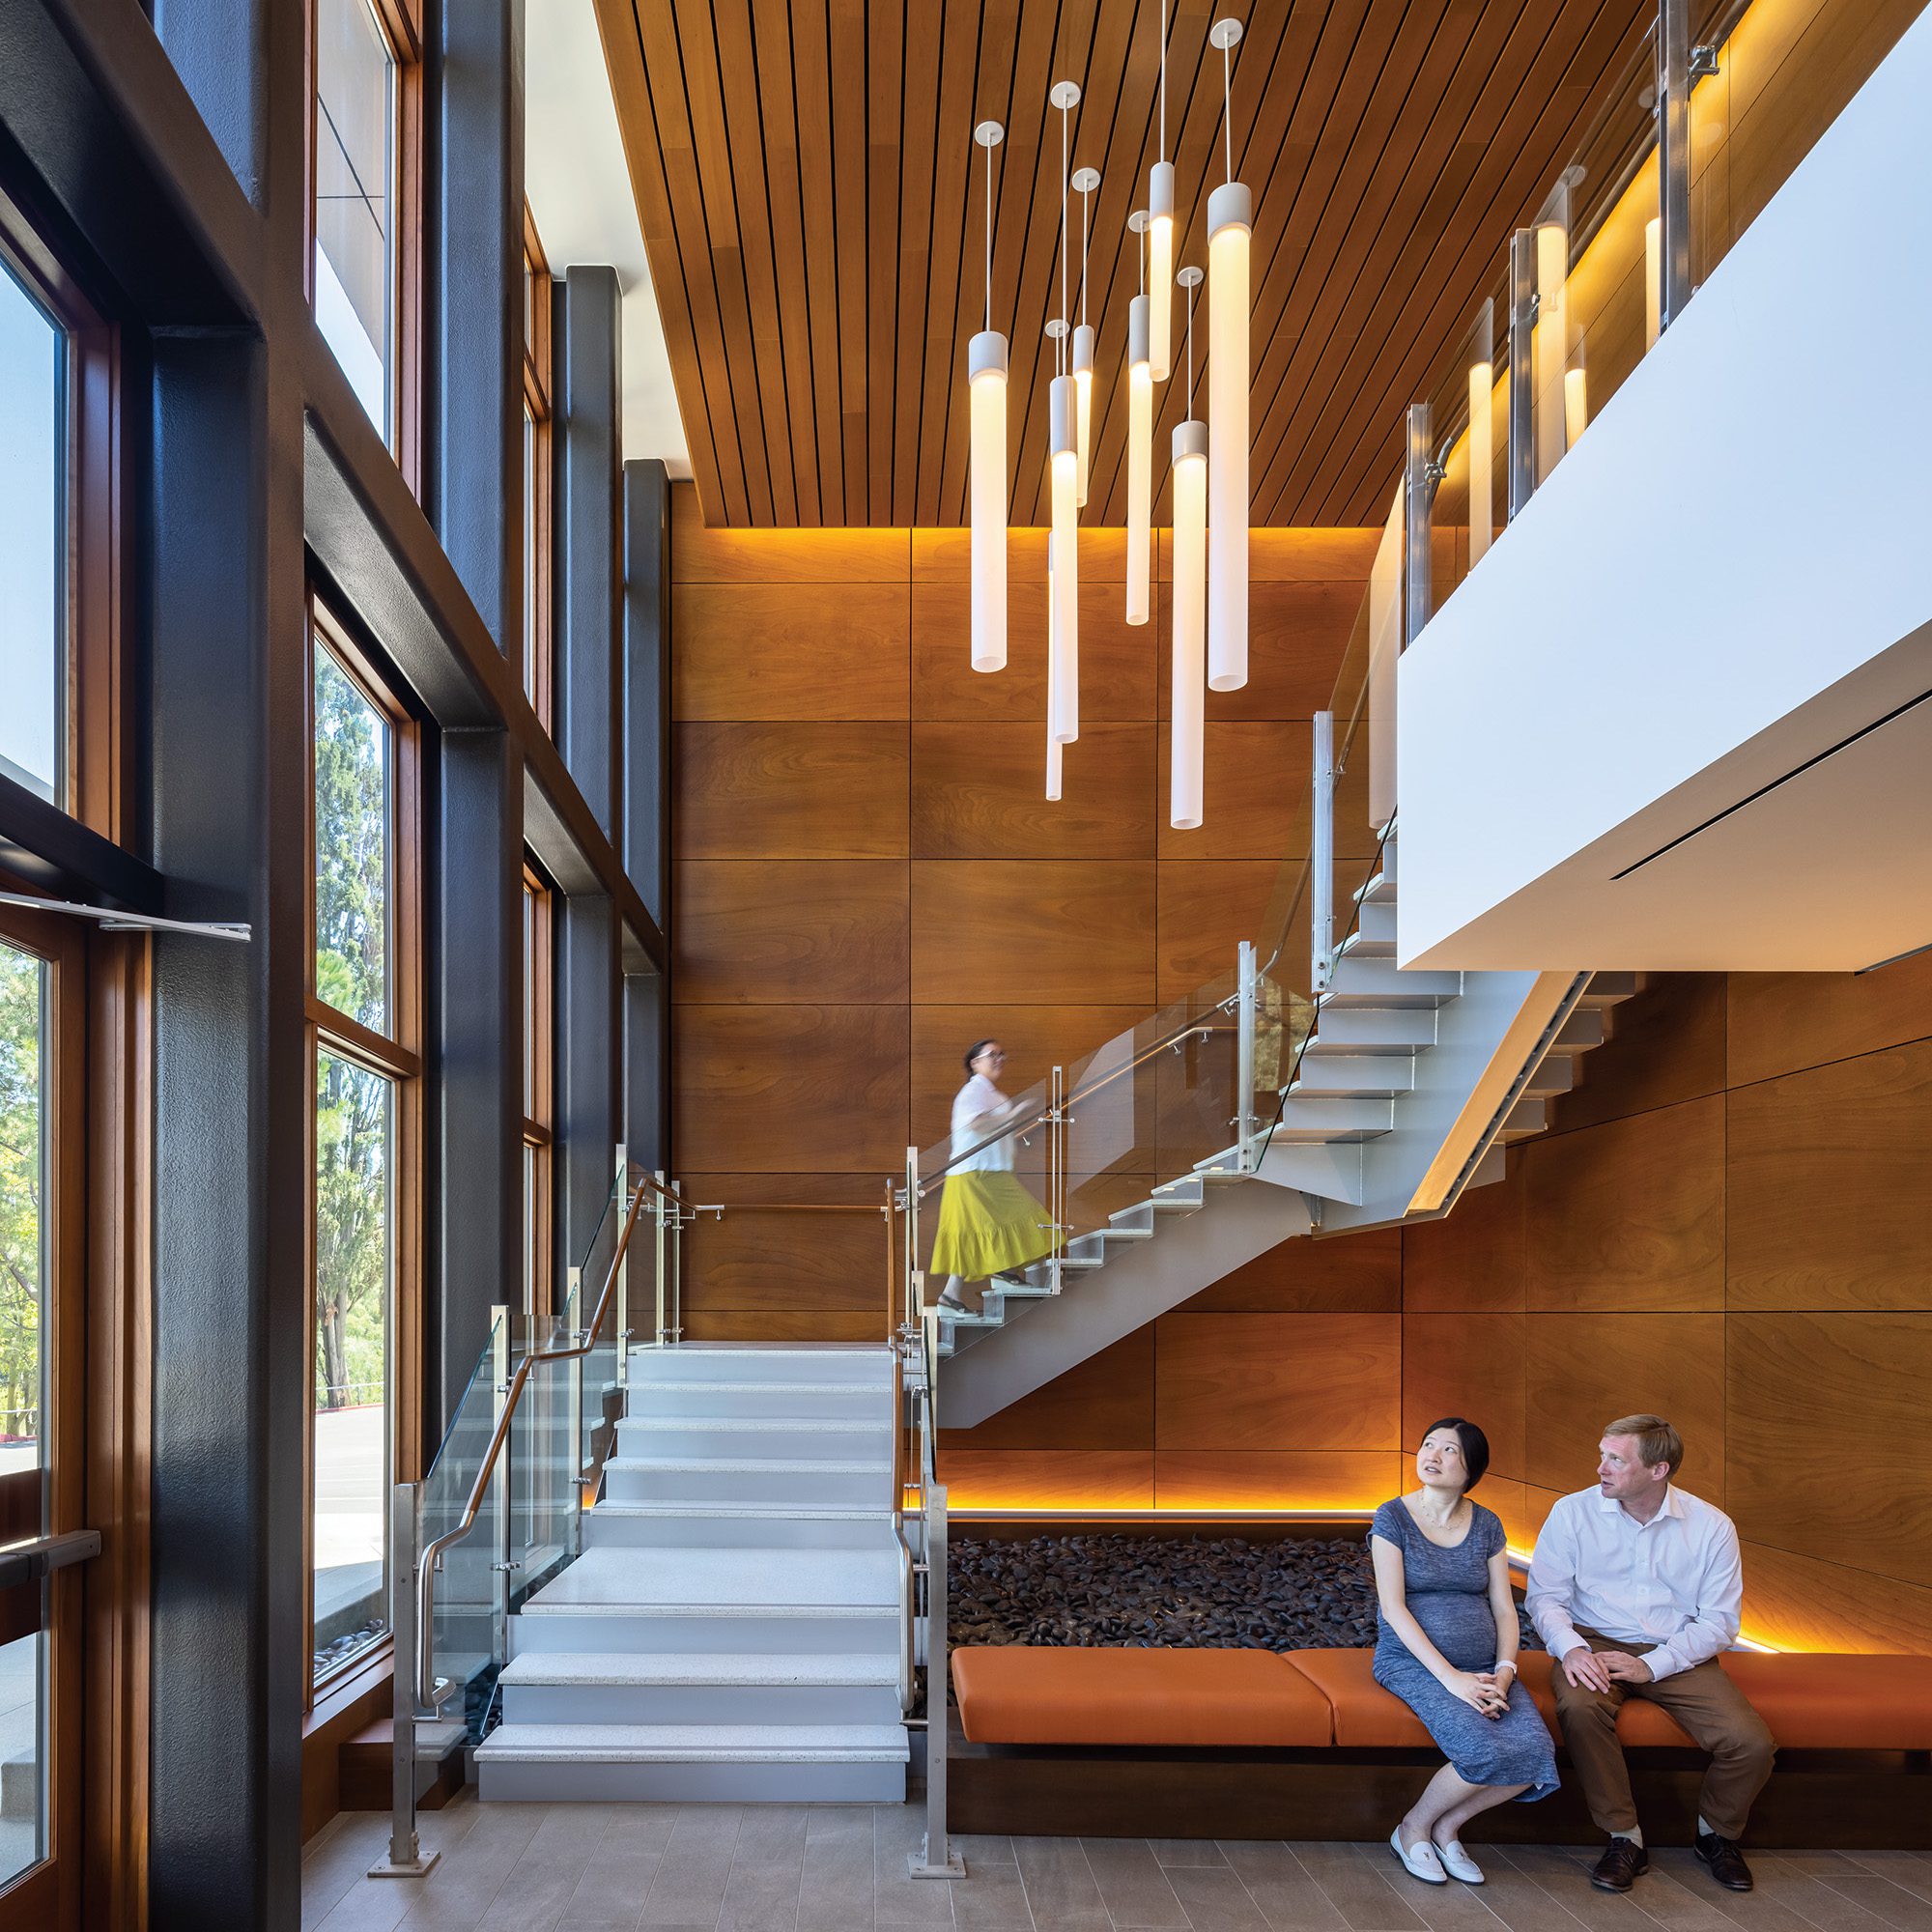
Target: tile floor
column 841, row 1868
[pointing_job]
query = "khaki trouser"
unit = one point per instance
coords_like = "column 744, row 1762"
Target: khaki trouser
column 1705, row 1701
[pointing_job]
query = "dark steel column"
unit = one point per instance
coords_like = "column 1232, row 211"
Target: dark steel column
column 646, row 762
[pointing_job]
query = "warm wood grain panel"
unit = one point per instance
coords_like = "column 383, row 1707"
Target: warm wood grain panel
column 1474, row 1259
column 1277, row 1480
column 1587, row 1370
column 1117, row 659
column 1297, row 636
column 1104, row 1403
column 701, row 555
column 787, row 651
column 1255, row 799
column 799, row 1089
column 1828, row 1186
column 1828, row 1418
column 1033, row 932
column 1473, row 1366
column 1311, row 555
column 1667, row 1044
column 783, row 1324
column 1629, row 1214
column 946, row 556
column 1352, row 1273
column 1783, row 1021
column 979, row 792
column 779, row 931
column 1796, row 1602
column 1278, row 1382
column 1522, row 1507
column 764, row 1253
column 1204, row 908
column 790, row 791
column 989, row 1479
column 1035, row 1039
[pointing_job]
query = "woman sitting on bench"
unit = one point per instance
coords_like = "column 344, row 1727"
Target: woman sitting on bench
column 1446, row 1646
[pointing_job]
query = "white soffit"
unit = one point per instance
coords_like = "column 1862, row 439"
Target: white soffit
column 580, row 192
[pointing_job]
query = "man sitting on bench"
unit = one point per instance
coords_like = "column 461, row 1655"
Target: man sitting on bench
column 1636, row 1587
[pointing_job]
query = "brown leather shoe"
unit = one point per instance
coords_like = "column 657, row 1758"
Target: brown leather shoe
column 1623, row 1863
column 1726, row 1862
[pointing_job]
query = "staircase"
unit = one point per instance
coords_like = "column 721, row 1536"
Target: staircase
column 732, row 1630
column 1402, row 1072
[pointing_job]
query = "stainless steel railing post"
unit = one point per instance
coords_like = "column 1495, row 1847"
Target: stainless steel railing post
column 1673, row 155
column 1322, row 857
column 404, row 1858
column 1419, row 493
column 1522, row 375
column 658, row 1210
column 504, row 1568
column 1244, row 1061
column 623, row 1318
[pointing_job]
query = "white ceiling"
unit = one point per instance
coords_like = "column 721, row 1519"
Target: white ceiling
column 580, row 192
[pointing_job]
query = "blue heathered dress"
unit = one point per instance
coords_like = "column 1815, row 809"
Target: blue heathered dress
column 1448, row 1594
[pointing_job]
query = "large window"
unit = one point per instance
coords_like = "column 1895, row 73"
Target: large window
column 57, row 532
column 539, row 904
column 364, row 114
column 362, row 1021
column 538, row 517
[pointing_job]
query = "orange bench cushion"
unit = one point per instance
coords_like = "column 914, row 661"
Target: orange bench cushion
column 1018, row 1694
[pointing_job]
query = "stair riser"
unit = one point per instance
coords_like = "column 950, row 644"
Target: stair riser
column 859, row 1444
column 702, row 1704
column 585, row 1781
column 604, row 1528
column 1373, row 1030
column 749, row 1632
column 859, row 1406
column 767, row 1487
column 689, row 1364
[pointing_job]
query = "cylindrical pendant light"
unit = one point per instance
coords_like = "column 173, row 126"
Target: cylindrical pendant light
column 1063, row 696
column 1186, row 753
column 1230, row 239
column 1054, row 748
column 1160, row 239
column 987, row 387
column 1653, row 282
column 1140, row 443
column 1085, row 182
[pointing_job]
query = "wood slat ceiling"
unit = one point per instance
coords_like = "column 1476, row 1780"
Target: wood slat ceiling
column 812, row 206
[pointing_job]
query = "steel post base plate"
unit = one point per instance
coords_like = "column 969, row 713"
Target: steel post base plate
column 387, row 1867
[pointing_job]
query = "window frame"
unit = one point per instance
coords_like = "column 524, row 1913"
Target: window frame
column 539, row 1115
column 94, row 742
column 539, row 514
column 401, row 24
column 396, row 1057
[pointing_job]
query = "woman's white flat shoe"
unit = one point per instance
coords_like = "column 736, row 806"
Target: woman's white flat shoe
column 1457, row 1864
column 1422, row 1862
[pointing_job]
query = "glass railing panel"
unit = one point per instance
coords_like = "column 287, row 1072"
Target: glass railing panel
column 542, row 1454
column 602, row 1383
column 1785, row 71
column 466, row 1633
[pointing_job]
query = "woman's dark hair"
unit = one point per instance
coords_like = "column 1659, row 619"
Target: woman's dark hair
column 974, row 1051
column 1475, row 1446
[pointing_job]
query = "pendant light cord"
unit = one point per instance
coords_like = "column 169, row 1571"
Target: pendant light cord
column 1163, row 79
column 989, row 239
column 1228, row 104
column 1060, row 344
column 1190, row 352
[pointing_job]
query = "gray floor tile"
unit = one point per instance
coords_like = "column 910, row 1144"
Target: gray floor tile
column 612, row 1892
column 1515, row 1899
column 1059, row 1885
column 372, row 1905
column 693, row 1866
column 1187, row 1851
column 985, row 1851
column 1282, row 1886
column 1133, row 1888
column 1215, row 1900
column 767, row 1862
column 1884, row 1900
column 1367, row 1901
column 1564, row 1872
column 992, row 1899
column 836, row 1876
column 1811, row 1900
column 897, row 1898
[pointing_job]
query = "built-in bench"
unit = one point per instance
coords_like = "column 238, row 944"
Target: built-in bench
column 1305, row 1743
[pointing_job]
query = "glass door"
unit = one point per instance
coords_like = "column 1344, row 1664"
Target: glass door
column 42, row 1534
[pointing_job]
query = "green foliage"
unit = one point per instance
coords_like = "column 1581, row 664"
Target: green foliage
column 354, row 1119
column 22, row 1122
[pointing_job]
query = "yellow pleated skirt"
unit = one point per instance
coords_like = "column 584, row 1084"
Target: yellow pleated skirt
column 988, row 1224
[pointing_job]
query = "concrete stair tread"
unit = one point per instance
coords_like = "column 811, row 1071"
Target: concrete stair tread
column 750, row 1511
column 755, row 1425
column 617, row 1580
column 699, row 1667
column 697, row 1387
column 696, row 1744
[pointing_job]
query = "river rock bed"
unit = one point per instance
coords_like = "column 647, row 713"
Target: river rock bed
column 1194, row 1592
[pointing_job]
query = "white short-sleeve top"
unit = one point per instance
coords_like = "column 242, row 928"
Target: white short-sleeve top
column 979, row 1096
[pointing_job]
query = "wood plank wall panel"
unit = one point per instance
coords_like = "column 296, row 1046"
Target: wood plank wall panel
column 814, row 214
column 868, row 875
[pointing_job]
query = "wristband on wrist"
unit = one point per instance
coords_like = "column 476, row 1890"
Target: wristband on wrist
column 1506, row 1664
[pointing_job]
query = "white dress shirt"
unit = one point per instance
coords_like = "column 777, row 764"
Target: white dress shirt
column 1676, row 1581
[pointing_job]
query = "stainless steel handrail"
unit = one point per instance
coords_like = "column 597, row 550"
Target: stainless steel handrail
column 431, row 1555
